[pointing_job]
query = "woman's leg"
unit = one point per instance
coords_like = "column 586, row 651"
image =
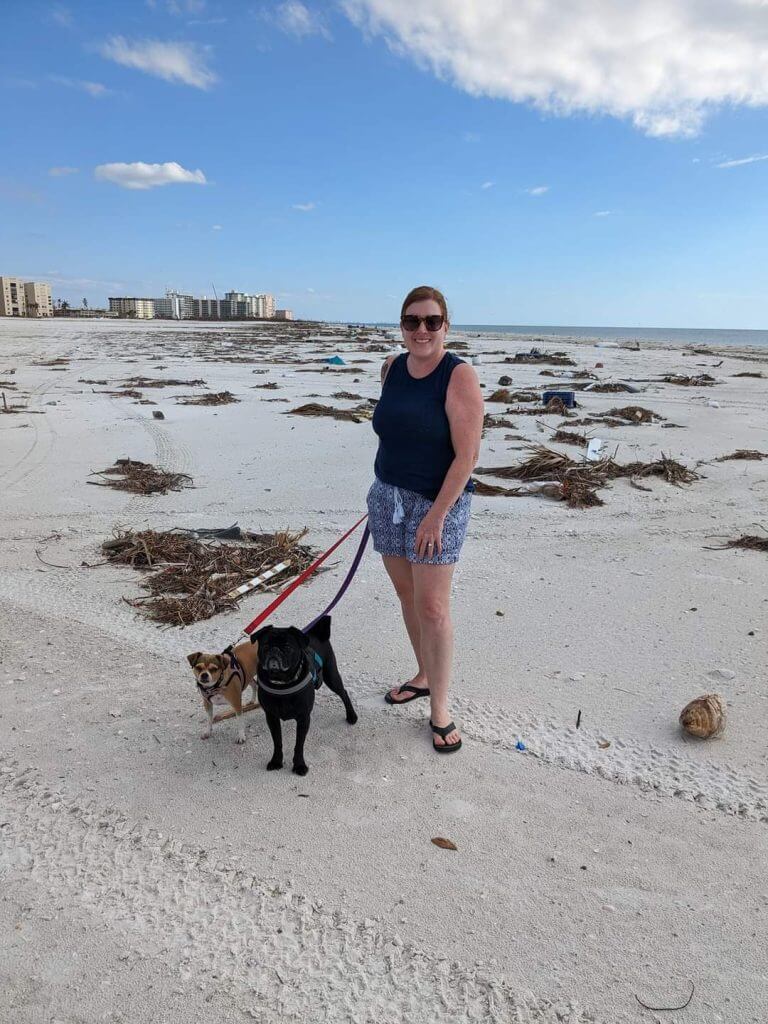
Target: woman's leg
column 400, row 571
column 432, row 598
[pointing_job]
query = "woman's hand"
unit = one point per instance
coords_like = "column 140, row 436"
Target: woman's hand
column 429, row 535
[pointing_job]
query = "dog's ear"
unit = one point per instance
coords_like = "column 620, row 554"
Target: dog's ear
column 322, row 630
column 259, row 633
column 194, row 658
column 300, row 635
column 221, row 661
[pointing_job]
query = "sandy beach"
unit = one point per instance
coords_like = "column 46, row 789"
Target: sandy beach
column 149, row 876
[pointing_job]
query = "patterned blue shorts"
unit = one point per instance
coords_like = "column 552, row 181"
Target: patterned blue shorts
column 399, row 539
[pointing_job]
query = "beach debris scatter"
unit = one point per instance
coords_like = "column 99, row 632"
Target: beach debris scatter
column 216, row 398
column 140, row 478
column 357, row 415
column 444, row 844
column 579, row 480
column 743, row 453
column 152, row 382
column 535, row 356
column 189, row 580
column 703, row 380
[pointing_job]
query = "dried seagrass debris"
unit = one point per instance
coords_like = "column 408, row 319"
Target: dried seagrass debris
column 156, row 382
column 673, row 472
column 357, row 415
column 743, row 453
column 590, row 421
column 609, row 387
column 703, row 380
column 497, row 421
column 569, row 437
column 749, row 542
column 217, row 398
column 747, row 374
column 269, row 386
column 635, row 414
column 545, row 464
column 141, row 478
column 500, row 395
column 189, row 580
column 348, row 395
column 128, row 393
column 534, row 357
column 60, row 361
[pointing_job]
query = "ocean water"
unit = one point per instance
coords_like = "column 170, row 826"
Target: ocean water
column 675, row 336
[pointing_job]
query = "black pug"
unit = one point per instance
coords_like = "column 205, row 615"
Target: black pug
column 291, row 666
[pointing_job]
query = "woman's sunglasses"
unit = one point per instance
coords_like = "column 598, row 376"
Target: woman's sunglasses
column 432, row 323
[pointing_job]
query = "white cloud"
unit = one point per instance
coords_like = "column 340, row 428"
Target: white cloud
column 216, row 227
column 62, row 16
column 95, row 89
column 296, row 19
column 142, row 176
column 304, row 207
column 59, row 172
column 663, row 64
column 173, row 62
column 603, row 213
column 744, row 160
column 538, row 190
column 488, row 184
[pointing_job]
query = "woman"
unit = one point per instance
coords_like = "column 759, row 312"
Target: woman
column 429, row 421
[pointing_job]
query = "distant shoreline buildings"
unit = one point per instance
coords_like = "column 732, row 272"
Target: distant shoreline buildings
column 19, row 298
column 179, row 306
column 25, row 298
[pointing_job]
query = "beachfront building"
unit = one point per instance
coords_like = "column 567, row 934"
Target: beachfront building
column 37, row 296
column 266, row 304
column 209, row 309
column 175, row 306
column 132, row 308
column 12, row 297
column 284, row 314
column 244, row 306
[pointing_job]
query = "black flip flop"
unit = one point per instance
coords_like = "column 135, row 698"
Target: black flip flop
column 443, row 730
column 417, row 691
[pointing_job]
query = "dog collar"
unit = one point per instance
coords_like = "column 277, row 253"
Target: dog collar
column 313, row 675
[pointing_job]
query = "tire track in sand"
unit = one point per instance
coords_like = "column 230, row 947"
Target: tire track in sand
column 278, row 953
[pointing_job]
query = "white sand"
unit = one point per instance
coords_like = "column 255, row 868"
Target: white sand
column 150, row 876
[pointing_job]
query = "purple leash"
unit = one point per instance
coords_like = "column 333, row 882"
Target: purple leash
column 352, row 570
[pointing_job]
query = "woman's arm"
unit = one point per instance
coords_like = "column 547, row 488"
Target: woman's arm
column 464, row 408
column 385, row 367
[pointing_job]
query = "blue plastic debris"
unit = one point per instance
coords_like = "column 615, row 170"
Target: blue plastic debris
column 336, row 361
column 519, row 745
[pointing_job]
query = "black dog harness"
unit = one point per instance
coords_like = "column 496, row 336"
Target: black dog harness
column 313, row 675
column 235, row 669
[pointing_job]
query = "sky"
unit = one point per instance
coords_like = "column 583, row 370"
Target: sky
column 599, row 162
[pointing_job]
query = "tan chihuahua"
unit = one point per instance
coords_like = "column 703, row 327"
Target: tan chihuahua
column 222, row 678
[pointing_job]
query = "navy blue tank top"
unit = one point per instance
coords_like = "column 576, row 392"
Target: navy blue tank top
column 415, row 447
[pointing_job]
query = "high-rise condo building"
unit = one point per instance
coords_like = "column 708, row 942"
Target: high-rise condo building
column 133, row 308
column 12, row 297
column 38, row 298
column 175, row 306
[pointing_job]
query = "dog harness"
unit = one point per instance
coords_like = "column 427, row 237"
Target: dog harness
column 235, row 669
column 313, row 675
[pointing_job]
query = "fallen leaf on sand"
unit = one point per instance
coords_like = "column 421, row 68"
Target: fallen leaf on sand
column 444, row 844
column 604, row 744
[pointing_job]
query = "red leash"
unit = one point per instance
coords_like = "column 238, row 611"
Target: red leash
column 299, row 580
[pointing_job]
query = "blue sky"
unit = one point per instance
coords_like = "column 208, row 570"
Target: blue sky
column 595, row 166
